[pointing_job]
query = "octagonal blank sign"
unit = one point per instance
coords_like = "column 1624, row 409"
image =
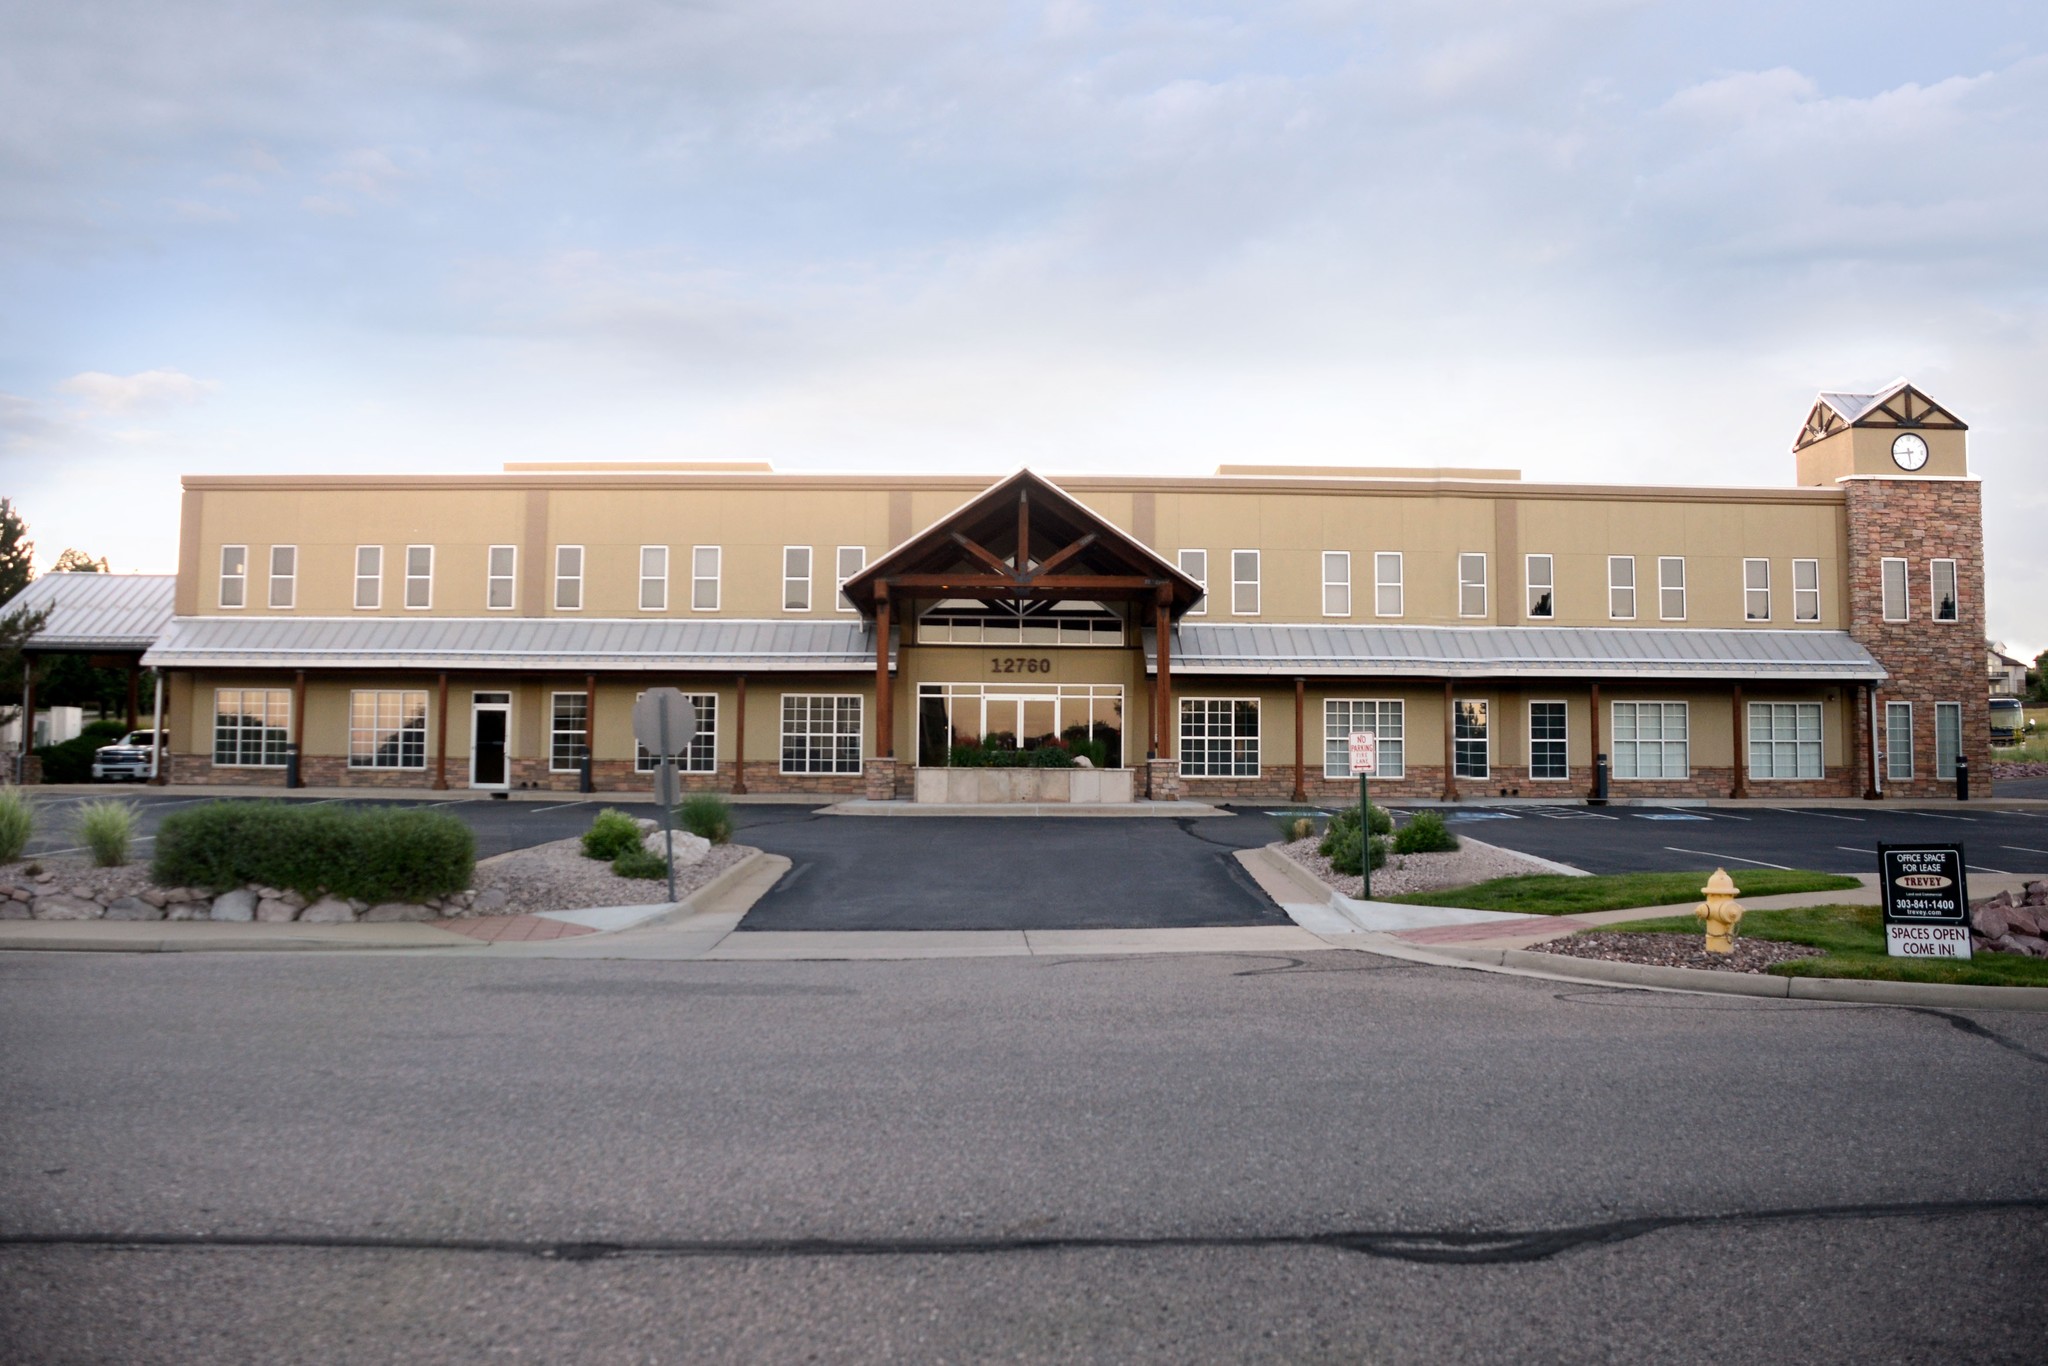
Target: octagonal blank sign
column 655, row 706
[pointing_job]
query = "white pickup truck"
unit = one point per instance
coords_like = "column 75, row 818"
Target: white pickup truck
column 128, row 757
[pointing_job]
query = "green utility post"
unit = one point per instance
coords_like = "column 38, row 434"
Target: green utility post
column 1365, row 829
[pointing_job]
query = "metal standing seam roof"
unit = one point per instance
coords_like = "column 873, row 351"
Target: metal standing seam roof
column 98, row 611
column 1852, row 408
column 529, row 643
column 1517, row 651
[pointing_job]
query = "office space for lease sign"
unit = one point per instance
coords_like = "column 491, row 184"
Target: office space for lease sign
column 1926, row 900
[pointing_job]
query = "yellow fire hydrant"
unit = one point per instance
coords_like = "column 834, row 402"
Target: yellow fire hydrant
column 1721, row 911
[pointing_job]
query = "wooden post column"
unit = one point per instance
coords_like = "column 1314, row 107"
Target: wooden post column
column 885, row 701
column 1740, row 787
column 28, row 715
column 1162, row 615
column 1593, row 754
column 590, row 725
column 441, row 736
column 1300, row 759
column 1450, row 744
column 134, row 690
column 299, row 722
column 739, row 741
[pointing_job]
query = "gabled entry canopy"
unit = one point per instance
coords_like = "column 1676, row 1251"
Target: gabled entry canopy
column 1024, row 539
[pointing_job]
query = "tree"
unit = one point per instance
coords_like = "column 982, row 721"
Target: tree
column 17, row 552
column 2037, row 681
column 79, row 562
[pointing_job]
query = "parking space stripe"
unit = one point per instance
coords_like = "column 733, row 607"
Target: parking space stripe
column 1937, row 816
column 1824, row 815
column 2022, row 849
column 536, row 810
column 1732, row 858
column 1975, row 869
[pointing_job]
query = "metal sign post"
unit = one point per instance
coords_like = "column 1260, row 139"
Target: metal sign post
column 1926, row 900
column 1365, row 760
column 660, row 717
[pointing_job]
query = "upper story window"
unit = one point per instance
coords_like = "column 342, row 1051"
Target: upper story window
column 1195, row 564
column 1756, row 589
column 1541, row 575
column 796, row 578
column 1621, row 587
column 654, row 578
column 704, row 578
column 369, row 577
column 1806, row 590
column 568, row 578
column 1336, row 583
column 1471, row 585
column 284, row 575
column 1946, row 607
column 1386, row 584
column 1892, row 582
column 500, row 572
column 234, row 576
column 1244, row 583
column 852, row 559
column 1671, row 588
column 419, row 577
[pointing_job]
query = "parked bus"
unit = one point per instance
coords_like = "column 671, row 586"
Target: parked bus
column 2008, row 720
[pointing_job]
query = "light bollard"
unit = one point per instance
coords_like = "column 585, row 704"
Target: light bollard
column 1721, row 911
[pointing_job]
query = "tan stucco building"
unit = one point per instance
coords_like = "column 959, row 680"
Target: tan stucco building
column 1217, row 636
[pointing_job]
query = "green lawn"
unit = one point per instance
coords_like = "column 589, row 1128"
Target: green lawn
column 1556, row 894
column 1854, row 939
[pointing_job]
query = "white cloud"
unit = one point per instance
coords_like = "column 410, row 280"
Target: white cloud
column 142, row 391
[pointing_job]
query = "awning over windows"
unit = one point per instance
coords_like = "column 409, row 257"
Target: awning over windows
column 116, row 613
column 512, row 644
column 1515, row 652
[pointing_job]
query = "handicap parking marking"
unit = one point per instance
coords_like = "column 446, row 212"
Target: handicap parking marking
column 1668, row 816
column 1732, row 858
column 1484, row 816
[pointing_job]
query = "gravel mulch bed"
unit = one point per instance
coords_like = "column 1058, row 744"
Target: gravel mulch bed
column 556, row 877
column 2013, row 772
column 1403, row 873
column 1676, row 951
column 74, row 874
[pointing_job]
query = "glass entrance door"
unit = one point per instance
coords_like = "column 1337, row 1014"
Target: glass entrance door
column 490, row 722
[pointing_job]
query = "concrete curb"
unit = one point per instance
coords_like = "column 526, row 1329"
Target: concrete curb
column 703, row 896
column 1596, row 972
column 1072, row 810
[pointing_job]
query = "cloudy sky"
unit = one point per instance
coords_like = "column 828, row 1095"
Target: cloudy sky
column 1595, row 239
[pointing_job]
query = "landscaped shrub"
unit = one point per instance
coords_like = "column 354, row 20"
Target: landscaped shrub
column 1297, row 827
column 107, row 827
column 1345, row 823
column 368, row 853
column 986, row 755
column 637, row 862
column 17, row 823
column 1425, row 833
column 1348, row 854
column 1049, row 756
column 706, row 816
column 71, row 762
column 611, row 834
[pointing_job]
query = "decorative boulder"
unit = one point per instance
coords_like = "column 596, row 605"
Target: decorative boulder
column 1990, row 918
column 11, row 909
column 328, row 910
column 134, row 908
column 385, row 912
column 2031, row 945
column 188, row 910
column 277, row 911
column 690, row 848
column 489, row 901
column 57, row 906
column 240, row 904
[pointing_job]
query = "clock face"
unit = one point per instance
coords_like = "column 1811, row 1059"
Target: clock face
column 1909, row 452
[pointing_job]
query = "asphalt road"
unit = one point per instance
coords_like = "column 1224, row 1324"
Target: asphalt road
column 1228, row 1158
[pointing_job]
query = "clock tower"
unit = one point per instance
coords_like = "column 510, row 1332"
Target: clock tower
column 1895, row 432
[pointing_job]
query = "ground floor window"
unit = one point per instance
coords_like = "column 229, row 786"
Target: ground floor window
column 1784, row 740
column 1344, row 717
column 387, row 729
column 821, row 732
column 568, row 731
column 1650, row 740
column 1086, row 718
column 251, row 726
column 1547, row 741
column 1948, row 738
column 1469, row 758
column 1219, row 737
column 701, row 754
column 1898, row 740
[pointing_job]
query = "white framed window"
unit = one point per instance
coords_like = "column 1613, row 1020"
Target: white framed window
column 369, row 577
column 704, row 566
column 387, row 729
column 1219, row 737
column 234, row 576
column 251, row 727
column 1898, row 741
column 1948, row 738
column 1386, row 584
column 1548, row 756
column 1784, row 740
column 796, row 578
column 568, row 578
column 1469, row 752
column 1892, row 574
column 1621, row 587
column 1540, row 574
column 851, row 560
column 1336, row 583
column 1670, row 588
column 1471, row 584
column 1947, row 605
column 419, row 577
column 1756, row 588
column 654, row 578
column 1806, row 590
column 1650, row 740
column 1195, row 564
column 568, row 731
column 284, row 575
column 1345, row 716
column 501, row 567
column 1244, row 583
column 701, row 755
column 821, row 732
